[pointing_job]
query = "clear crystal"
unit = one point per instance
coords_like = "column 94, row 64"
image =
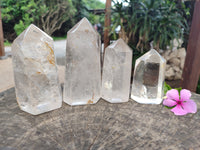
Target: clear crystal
column 117, row 72
column 148, row 79
column 36, row 80
column 83, row 69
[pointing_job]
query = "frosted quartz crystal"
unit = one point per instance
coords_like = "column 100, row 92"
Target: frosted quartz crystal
column 148, row 79
column 35, row 73
column 83, row 70
column 117, row 72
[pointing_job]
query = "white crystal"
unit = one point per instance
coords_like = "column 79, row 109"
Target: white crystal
column 148, row 79
column 117, row 72
column 36, row 80
column 83, row 69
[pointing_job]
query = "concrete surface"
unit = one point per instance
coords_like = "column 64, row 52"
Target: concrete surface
column 6, row 74
column 60, row 51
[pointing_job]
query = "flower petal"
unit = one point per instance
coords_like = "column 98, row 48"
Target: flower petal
column 185, row 94
column 173, row 94
column 178, row 110
column 190, row 106
column 169, row 102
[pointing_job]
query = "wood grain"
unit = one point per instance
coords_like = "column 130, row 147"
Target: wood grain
column 101, row 126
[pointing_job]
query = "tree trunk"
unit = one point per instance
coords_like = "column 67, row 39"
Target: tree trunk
column 191, row 69
column 107, row 23
column 2, row 51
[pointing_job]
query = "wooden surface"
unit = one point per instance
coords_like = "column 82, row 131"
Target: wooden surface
column 101, row 126
column 191, row 70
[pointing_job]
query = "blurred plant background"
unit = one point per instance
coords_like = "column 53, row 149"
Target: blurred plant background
column 142, row 22
column 156, row 21
column 55, row 17
column 151, row 23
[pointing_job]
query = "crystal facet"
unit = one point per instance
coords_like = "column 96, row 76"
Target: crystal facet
column 83, row 69
column 117, row 72
column 36, row 80
column 148, row 79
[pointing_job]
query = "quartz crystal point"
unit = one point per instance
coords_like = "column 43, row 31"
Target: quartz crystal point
column 148, row 79
column 83, row 70
column 36, row 79
column 117, row 72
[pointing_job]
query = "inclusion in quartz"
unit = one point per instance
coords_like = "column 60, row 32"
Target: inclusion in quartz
column 117, row 72
column 83, row 69
column 36, row 80
column 148, row 79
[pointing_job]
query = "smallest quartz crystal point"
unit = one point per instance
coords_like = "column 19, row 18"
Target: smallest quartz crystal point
column 35, row 72
column 117, row 72
column 148, row 79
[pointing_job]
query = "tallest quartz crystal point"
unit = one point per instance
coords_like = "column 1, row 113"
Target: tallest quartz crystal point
column 36, row 80
column 83, row 69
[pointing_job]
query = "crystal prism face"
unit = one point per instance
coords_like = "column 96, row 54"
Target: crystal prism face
column 148, row 79
column 83, row 69
column 117, row 72
column 36, row 80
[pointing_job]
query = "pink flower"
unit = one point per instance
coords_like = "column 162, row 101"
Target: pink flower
column 183, row 104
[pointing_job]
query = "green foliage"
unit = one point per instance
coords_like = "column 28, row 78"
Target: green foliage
column 167, row 87
column 81, row 10
column 144, row 21
column 94, row 4
column 198, row 87
column 179, row 89
column 170, row 107
column 52, row 16
column 22, row 12
column 59, row 38
column 136, row 54
column 10, row 10
column 6, row 43
column 23, row 24
column 83, row 7
column 48, row 15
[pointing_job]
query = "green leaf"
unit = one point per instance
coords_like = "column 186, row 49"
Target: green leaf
column 167, row 87
column 170, row 107
column 179, row 89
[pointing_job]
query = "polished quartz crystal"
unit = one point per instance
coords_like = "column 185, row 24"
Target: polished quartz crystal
column 35, row 73
column 148, row 79
column 83, row 70
column 117, row 72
